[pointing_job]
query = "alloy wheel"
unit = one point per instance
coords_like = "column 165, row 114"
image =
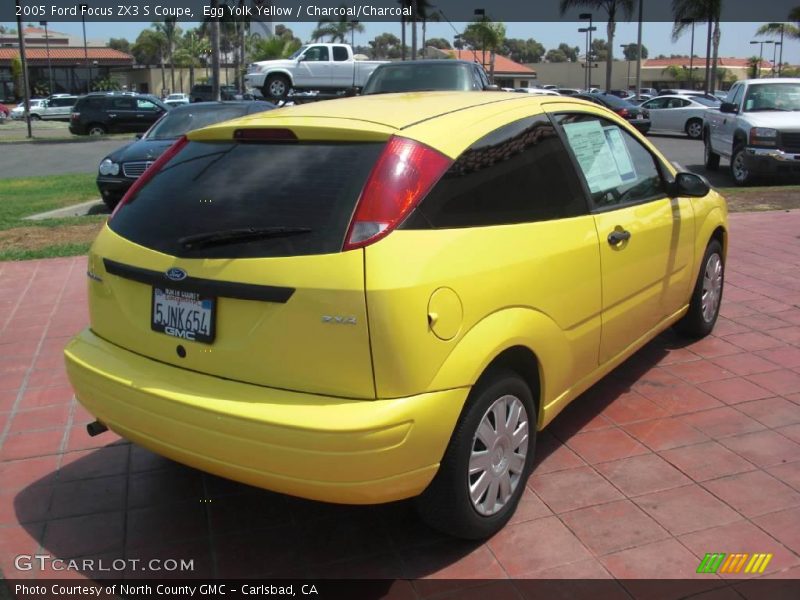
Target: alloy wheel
column 740, row 173
column 498, row 453
column 712, row 287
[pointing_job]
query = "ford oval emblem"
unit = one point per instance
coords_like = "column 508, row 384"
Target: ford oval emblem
column 176, row 274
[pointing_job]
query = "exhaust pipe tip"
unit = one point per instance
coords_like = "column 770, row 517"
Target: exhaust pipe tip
column 96, row 428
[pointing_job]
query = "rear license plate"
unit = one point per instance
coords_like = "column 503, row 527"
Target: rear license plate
column 184, row 315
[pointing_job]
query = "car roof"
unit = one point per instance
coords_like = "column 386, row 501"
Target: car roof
column 771, row 80
column 429, row 61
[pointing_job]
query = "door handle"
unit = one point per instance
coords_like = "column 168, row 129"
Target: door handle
column 618, row 236
column 112, row 115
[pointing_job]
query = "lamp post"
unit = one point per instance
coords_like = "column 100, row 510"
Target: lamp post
column 774, row 56
column 86, row 64
column 590, row 29
column 481, row 12
column 628, row 77
column 780, row 58
column 691, row 53
column 24, row 61
column 760, row 54
column 47, row 46
column 587, row 78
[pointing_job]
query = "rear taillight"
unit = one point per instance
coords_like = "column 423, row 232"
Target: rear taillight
column 150, row 172
column 403, row 175
column 623, row 112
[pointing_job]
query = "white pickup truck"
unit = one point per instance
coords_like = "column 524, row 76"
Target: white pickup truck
column 758, row 129
column 321, row 67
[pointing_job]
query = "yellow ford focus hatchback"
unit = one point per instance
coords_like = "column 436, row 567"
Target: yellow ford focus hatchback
column 386, row 297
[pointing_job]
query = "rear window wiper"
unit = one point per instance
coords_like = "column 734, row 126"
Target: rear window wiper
column 232, row 236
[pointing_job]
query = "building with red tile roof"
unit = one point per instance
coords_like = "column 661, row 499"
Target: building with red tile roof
column 507, row 73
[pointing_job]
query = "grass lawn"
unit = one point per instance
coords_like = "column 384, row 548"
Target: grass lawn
column 21, row 197
column 760, row 198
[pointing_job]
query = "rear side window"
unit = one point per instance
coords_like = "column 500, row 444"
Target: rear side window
column 221, row 186
column 96, row 103
column 519, row 173
column 339, row 53
column 617, row 168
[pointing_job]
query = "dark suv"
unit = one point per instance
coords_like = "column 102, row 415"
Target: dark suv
column 97, row 114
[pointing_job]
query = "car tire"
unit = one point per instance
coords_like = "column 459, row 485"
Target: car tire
column 694, row 128
column 710, row 158
column 276, row 87
column 706, row 295
column 111, row 202
column 447, row 504
column 96, row 129
column 742, row 176
column 36, row 118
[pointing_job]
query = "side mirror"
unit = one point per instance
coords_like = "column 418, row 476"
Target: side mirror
column 728, row 107
column 301, row 58
column 492, row 88
column 691, row 184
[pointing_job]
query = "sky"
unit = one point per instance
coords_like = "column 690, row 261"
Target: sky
column 735, row 40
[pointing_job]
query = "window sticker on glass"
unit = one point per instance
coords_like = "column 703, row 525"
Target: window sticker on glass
column 588, row 142
column 622, row 157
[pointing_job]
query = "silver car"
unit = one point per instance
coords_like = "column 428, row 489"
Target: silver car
column 678, row 114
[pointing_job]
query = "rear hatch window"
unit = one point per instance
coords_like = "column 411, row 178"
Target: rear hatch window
column 310, row 189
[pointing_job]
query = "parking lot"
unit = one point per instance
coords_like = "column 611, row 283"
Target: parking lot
column 685, row 449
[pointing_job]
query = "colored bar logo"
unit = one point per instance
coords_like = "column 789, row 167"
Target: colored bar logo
column 720, row 562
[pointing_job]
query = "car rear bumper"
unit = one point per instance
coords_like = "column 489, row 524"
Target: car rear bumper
column 318, row 447
column 771, row 161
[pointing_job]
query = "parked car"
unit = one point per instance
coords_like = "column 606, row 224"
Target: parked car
column 677, row 114
column 635, row 115
column 203, row 92
column 568, row 91
column 98, row 114
column 18, row 112
column 427, row 75
column 758, row 130
column 176, row 100
column 119, row 170
column 648, row 91
column 323, row 67
column 58, row 108
column 550, row 86
column 398, row 315
column 536, row 90
column 692, row 93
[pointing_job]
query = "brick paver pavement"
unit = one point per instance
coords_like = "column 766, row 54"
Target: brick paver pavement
column 687, row 448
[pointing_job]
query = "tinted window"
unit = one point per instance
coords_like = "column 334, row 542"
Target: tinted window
column 339, row 53
column 62, row 102
column 179, row 121
column 656, row 103
column 438, row 75
column 614, row 101
column 615, row 166
column 96, row 102
column 122, row 104
column 317, row 53
column 518, row 173
column 737, row 97
column 218, row 186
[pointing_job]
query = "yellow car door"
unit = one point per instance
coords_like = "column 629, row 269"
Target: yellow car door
column 646, row 237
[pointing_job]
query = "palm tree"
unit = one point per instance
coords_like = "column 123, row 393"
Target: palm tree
column 190, row 48
column 272, row 48
column 754, row 64
column 169, row 29
column 780, row 30
column 338, row 30
column 425, row 13
column 612, row 9
column 404, row 4
column 684, row 12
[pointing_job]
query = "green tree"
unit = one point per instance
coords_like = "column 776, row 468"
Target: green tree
column 571, row 52
column 523, row 51
column 386, row 45
column 612, row 8
column 754, row 66
column 148, row 49
column 631, row 52
column 169, row 29
column 274, row 48
column 599, row 50
column 554, row 55
column 120, row 44
column 440, row 43
column 678, row 73
column 485, row 34
column 684, row 13
column 338, row 31
column 16, row 76
column 192, row 48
